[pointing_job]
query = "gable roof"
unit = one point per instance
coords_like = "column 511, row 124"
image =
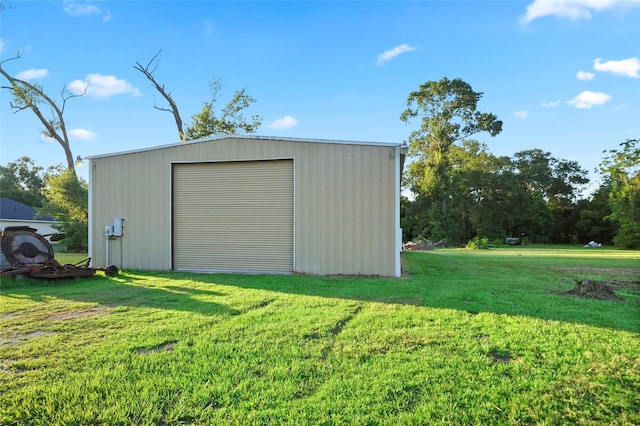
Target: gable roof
column 245, row 137
column 15, row 210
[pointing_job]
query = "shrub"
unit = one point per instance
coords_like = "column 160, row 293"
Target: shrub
column 478, row 243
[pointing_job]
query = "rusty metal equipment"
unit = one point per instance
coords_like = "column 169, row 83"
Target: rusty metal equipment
column 25, row 252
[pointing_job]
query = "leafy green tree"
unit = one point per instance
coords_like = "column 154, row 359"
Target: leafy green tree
column 67, row 201
column 405, row 221
column 485, row 188
column 622, row 167
column 448, row 109
column 552, row 186
column 415, row 218
column 22, row 181
column 468, row 180
column 230, row 120
column 449, row 114
column 32, row 96
column 547, row 177
column 568, row 179
column 593, row 223
column 481, row 204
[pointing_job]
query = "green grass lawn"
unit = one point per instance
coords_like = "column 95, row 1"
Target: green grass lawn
column 465, row 337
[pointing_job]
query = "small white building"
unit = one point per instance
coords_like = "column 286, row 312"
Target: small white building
column 14, row 213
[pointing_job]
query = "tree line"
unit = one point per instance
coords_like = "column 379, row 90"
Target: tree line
column 530, row 195
column 460, row 190
column 463, row 192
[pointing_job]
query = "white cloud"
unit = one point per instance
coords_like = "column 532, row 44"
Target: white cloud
column 585, row 76
column 629, row 67
column 32, row 74
column 521, row 114
column 390, row 54
column 550, row 104
column 83, row 134
column 1, row 45
column 82, row 9
column 103, row 86
column 285, row 122
column 572, row 9
column 587, row 99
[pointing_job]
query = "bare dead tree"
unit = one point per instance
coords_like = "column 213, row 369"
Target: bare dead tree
column 149, row 71
column 30, row 96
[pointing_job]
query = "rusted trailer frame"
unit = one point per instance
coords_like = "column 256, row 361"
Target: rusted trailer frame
column 25, row 252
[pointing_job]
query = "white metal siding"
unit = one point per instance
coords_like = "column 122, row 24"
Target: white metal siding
column 233, row 216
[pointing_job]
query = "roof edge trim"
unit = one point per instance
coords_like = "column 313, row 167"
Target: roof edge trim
column 247, row 137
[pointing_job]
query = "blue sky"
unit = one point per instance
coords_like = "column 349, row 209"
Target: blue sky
column 562, row 76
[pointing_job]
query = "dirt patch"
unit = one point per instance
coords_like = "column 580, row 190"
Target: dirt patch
column 7, row 317
column 10, row 340
column 82, row 313
column 7, row 367
column 163, row 347
column 500, row 355
column 590, row 289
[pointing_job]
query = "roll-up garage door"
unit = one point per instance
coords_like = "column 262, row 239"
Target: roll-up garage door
column 233, row 216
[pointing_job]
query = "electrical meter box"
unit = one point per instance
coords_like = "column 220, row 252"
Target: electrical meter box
column 118, row 225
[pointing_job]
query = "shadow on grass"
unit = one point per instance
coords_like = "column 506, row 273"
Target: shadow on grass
column 503, row 285
column 473, row 283
column 125, row 290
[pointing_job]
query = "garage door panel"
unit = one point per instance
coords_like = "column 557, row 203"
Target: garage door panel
column 223, row 235
column 233, row 216
column 233, row 196
column 243, row 210
column 223, row 220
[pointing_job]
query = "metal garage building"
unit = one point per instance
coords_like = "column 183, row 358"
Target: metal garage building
column 249, row 204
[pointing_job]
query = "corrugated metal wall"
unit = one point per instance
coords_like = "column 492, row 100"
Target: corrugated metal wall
column 345, row 196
